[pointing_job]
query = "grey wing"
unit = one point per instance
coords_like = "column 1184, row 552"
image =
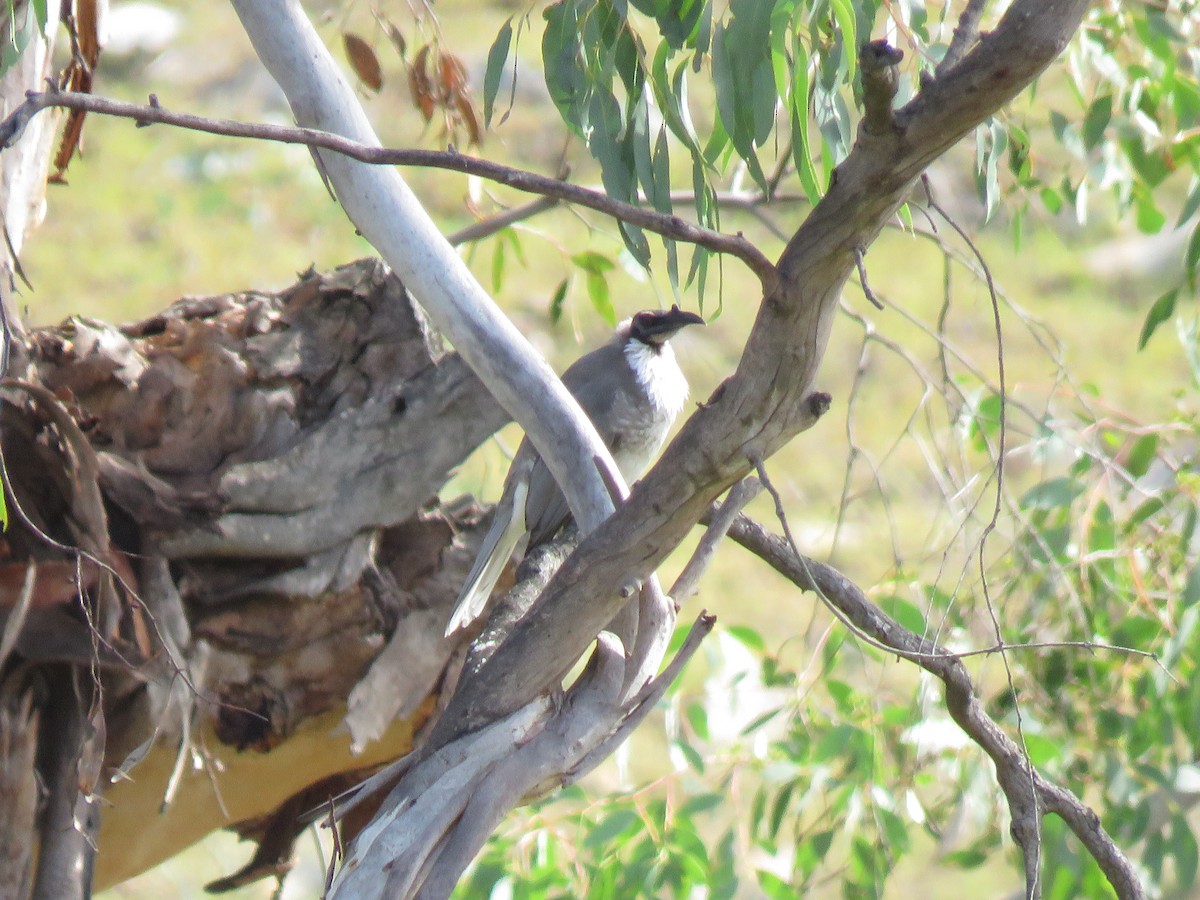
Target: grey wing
column 589, row 379
column 546, row 509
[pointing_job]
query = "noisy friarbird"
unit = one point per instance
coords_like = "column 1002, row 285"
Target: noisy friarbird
column 632, row 389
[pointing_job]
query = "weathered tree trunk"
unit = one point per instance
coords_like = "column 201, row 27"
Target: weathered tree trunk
column 251, row 479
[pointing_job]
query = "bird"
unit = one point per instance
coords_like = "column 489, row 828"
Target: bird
column 632, row 389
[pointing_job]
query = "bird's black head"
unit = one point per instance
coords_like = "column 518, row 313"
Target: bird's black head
column 655, row 327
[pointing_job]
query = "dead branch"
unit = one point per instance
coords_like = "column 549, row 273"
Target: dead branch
column 529, row 182
column 1029, row 794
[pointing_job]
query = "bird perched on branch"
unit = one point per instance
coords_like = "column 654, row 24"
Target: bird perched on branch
column 632, row 389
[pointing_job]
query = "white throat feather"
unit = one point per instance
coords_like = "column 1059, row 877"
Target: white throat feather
column 659, row 374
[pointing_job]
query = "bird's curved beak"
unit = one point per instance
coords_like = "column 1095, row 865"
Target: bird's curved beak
column 669, row 321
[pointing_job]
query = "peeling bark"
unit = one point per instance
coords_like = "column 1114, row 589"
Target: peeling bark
column 264, row 577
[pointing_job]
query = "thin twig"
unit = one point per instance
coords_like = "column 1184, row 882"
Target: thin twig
column 477, row 231
column 1016, row 775
column 645, row 700
column 1071, row 645
column 862, row 279
column 669, row 226
column 1029, row 831
column 689, row 579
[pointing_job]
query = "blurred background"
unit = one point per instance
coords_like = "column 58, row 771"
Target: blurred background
column 894, row 486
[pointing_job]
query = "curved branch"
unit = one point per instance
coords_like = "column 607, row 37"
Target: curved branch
column 766, row 403
column 1028, row 792
column 369, row 151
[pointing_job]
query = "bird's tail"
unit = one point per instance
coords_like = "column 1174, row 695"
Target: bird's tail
column 508, row 526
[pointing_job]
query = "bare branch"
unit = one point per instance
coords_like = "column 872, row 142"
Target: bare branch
column 966, row 33
column 859, row 253
column 1029, row 794
column 529, row 182
column 740, row 494
column 489, row 226
column 639, row 706
column 879, row 61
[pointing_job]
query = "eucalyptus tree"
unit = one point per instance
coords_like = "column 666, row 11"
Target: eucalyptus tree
column 219, row 533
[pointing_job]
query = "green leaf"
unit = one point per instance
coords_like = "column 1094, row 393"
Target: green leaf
column 727, row 93
column 670, row 94
column 20, row 31
column 556, row 301
column 1141, row 455
column 1144, row 511
column 984, row 424
column 639, row 141
column 843, row 12
column 702, row 803
column 1191, row 586
column 595, row 267
column 498, row 267
column 1098, row 116
column 1137, row 631
column 1185, row 851
column 1052, row 200
column 597, row 287
column 691, row 754
column 661, row 198
column 1189, row 206
column 1161, row 311
column 774, row 887
column 1042, row 750
column 966, row 859
column 615, row 824
column 566, row 82
column 1191, row 259
column 697, row 717
column 1056, row 493
column 799, row 100
column 991, row 144
column 746, row 635
column 759, row 721
column 497, row 57
column 1150, row 219
column 765, row 99
column 906, row 614
column 779, row 808
column 636, row 243
column 835, row 743
column 591, row 261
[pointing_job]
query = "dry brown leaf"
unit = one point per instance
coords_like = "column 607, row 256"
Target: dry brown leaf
column 419, row 84
column 363, row 60
column 470, row 120
column 452, row 74
column 83, row 26
column 394, row 35
column 87, row 29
